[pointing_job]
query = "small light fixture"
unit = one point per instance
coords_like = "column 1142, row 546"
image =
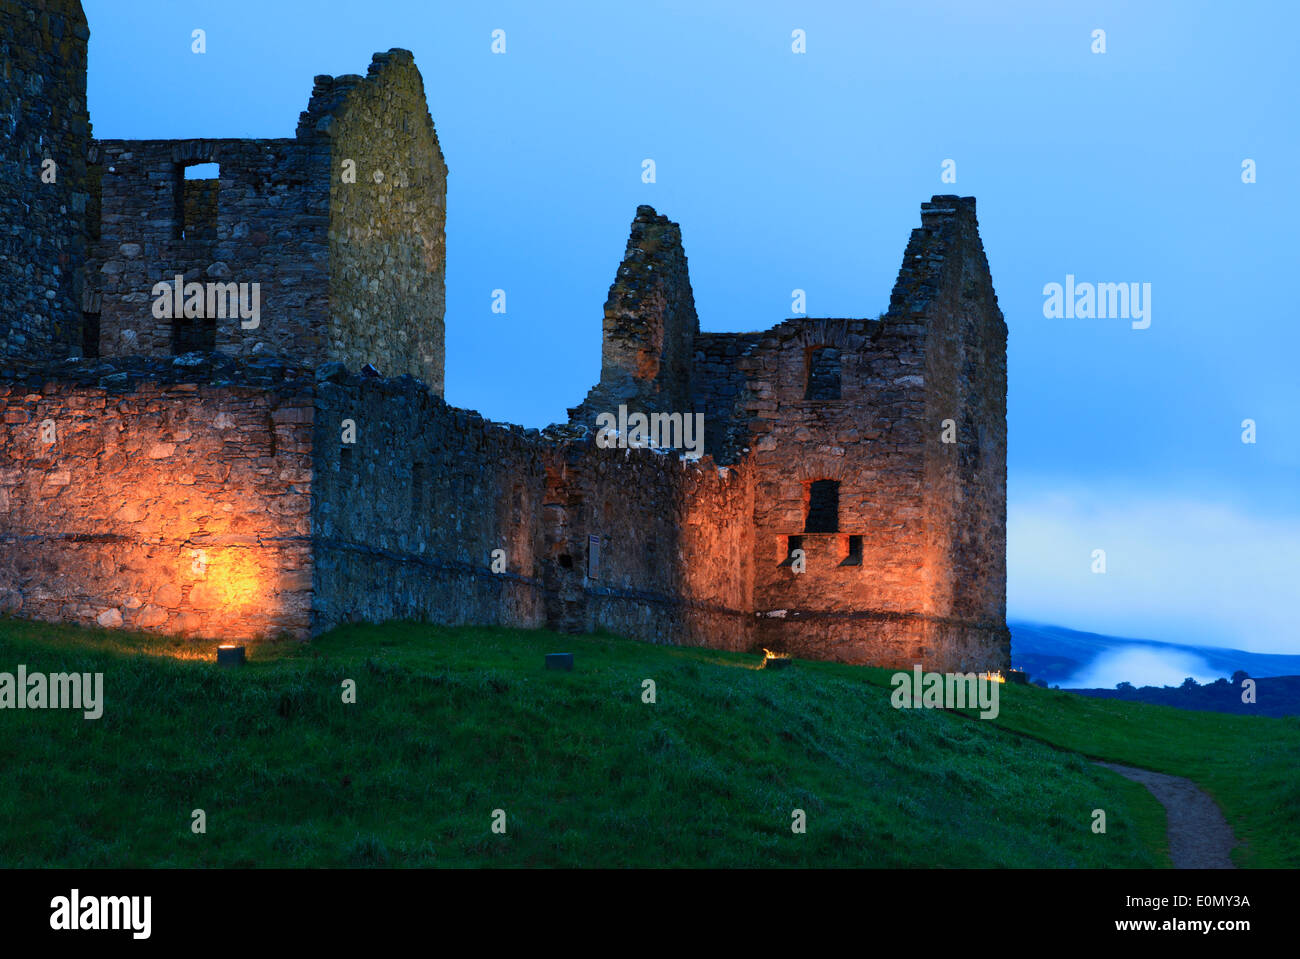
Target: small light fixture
column 773, row 660
column 560, row 661
column 230, row 654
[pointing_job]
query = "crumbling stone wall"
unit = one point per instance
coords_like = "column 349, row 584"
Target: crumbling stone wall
column 650, row 326
column 348, row 260
column 42, row 224
column 905, row 562
column 387, row 240
column 153, row 496
column 271, row 214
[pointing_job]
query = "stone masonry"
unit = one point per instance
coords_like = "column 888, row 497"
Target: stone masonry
column 44, row 179
column 200, row 475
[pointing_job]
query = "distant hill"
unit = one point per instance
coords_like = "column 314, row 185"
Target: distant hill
column 1069, row 657
column 1274, row 696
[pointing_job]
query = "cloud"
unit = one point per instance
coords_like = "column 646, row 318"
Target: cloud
column 1141, row 666
column 1177, row 570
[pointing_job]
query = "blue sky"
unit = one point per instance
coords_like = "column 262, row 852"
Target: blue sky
column 807, row 171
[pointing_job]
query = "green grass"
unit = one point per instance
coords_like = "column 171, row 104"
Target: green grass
column 450, row 724
column 1250, row 765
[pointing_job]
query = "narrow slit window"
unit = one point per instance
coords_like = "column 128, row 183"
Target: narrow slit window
column 855, row 552
column 792, row 543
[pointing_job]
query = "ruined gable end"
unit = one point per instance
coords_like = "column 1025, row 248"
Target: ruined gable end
column 387, row 218
column 650, row 326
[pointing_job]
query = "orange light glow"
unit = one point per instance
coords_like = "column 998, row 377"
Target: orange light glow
column 231, row 581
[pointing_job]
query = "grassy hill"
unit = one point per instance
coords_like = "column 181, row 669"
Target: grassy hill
column 451, row 724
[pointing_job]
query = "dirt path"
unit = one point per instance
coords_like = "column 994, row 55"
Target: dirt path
column 1199, row 837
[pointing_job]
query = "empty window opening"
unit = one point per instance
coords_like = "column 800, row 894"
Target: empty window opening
column 90, row 335
column 197, row 188
column 823, row 381
column 345, row 458
column 855, row 552
column 823, row 507
column 792, row 543
column 566, row 561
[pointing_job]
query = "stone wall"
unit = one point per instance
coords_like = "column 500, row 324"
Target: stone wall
column 406, row 517
column 271, row 216
column 345, row 270
column 387, row 241
column 925, row 580
column 850, row 599
column 157, row 496
column 719, row 384
column 42, row 225
column 672, row 540
column 966, row 383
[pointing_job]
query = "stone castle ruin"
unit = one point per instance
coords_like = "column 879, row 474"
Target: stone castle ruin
column 174, row 461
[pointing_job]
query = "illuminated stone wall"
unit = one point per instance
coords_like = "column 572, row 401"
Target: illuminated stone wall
column 929, row 582
column 911, row 566
column 672, row 545
column 163, row 503
column 868, row 441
